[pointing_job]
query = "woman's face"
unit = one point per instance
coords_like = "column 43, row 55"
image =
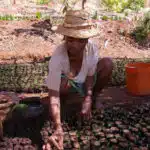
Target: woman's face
column 74, row 45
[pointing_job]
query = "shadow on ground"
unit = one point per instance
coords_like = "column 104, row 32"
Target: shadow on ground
column 41, row 28
column 119, row 96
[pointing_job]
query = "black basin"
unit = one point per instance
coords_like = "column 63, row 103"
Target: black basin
column 32, row 107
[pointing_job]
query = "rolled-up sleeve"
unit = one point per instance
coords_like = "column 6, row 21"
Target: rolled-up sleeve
column 53, row 79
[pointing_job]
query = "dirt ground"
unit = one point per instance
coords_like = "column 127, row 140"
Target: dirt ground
column 110, row 96
column 25, row 41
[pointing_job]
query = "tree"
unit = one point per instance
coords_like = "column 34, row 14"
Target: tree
column 67, row 4
column 83, row 2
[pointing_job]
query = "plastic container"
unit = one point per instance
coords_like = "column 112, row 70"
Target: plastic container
column 30, row 107
column 138, row 78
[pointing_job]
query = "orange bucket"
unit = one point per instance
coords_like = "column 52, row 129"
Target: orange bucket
column 138, row 78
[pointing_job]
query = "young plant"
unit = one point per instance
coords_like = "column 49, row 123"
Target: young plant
column 95, row 16
column 38, row 15
column 7, row 17
column 105, row 18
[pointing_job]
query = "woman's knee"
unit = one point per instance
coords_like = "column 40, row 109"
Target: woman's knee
column 105, row 64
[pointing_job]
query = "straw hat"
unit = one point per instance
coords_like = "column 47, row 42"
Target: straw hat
column 77, row 24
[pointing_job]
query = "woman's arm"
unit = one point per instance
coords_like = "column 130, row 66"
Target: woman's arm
column 54, row 101
column 57, row 137
column 87, row 102
column 89, row 85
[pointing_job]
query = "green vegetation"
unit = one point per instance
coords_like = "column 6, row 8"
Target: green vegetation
column 121, row 5
column 95, row 16
column 136, row 4
column 142, row 31
column 41, row 2
column 7, row 17
column 105, row 18
column 38, row 15
column 13, row 17
column 30, row 77
column 112, row 18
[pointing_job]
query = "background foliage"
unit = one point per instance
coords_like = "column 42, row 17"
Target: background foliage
column 121, row 5
column 43, row 1
column 142, row 31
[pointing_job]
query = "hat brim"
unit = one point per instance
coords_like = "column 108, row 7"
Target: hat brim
column 84, row 33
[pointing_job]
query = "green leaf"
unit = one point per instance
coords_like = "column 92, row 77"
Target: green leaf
column 20, row 106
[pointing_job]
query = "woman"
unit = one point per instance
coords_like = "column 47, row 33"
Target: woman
column 75, row 64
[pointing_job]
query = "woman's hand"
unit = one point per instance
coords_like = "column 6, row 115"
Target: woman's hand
column 56, row 139
column 87, row 102
column 86, row 108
